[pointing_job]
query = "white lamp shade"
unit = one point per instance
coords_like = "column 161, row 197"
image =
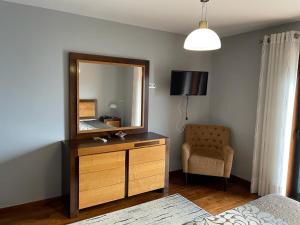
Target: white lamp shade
column 202, row 39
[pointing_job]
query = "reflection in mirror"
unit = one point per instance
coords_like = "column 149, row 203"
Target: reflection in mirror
column 110, row 96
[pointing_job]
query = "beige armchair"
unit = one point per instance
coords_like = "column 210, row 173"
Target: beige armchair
column 206, row 151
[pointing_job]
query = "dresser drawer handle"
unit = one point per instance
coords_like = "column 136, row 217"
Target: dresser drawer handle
column 141, row 144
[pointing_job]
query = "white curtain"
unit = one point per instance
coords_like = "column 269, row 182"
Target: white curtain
column 136, row 115
column 277, row 87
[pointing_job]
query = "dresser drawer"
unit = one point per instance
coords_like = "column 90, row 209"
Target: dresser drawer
column 98, row 162
column 103, row 178
column 147, row 154
column 148, row 169
column 101, row 195
column 146, row 184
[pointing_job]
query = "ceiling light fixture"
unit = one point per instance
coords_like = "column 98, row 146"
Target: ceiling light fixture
column 202, row 39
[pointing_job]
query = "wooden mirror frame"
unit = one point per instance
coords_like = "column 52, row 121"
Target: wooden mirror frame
column 74, row 59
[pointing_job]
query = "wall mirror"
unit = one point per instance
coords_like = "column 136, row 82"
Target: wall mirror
column 107, row 94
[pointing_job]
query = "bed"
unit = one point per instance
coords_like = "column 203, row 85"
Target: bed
column 88, row 116
column 268, row 210
column 92, row 124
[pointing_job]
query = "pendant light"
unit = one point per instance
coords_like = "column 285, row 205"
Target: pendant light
column 202, row 39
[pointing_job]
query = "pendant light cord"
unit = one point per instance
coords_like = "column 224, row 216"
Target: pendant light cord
column 205, row 17
column 203, row 11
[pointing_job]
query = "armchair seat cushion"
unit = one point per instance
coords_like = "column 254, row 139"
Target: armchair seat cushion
column 206, row 162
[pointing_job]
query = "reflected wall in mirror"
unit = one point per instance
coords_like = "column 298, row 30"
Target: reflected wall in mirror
column 110, row 96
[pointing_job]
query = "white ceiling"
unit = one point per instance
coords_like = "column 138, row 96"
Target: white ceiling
column 226, row 17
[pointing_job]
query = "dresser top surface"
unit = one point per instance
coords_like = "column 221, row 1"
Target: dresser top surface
column 115, row 140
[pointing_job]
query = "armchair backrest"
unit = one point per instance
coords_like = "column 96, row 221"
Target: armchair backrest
column 207, row 136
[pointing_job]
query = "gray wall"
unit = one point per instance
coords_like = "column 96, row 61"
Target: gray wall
column 34, row 46
column 234, row 91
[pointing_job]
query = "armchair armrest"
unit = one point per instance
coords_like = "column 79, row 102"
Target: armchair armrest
column 228, row 153
column 185, row 155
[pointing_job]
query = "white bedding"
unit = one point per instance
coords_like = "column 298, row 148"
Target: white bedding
column 85, row 126
column 92, row 124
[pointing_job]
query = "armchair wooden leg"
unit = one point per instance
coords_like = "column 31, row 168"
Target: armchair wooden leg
column 186, row 178
column 225, row 183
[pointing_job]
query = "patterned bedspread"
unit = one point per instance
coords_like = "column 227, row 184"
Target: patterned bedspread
column 268, row 210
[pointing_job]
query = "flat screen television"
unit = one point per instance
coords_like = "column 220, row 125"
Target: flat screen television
column 188, row 83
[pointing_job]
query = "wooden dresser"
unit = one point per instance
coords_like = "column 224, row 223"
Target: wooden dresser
column 94, row 172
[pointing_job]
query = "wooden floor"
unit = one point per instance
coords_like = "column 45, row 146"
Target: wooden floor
column 206, row 192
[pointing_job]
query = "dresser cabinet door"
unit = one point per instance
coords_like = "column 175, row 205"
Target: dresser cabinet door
column 101, row 178
column 146, row 169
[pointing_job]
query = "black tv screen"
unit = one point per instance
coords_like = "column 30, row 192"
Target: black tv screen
column 188, row 82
